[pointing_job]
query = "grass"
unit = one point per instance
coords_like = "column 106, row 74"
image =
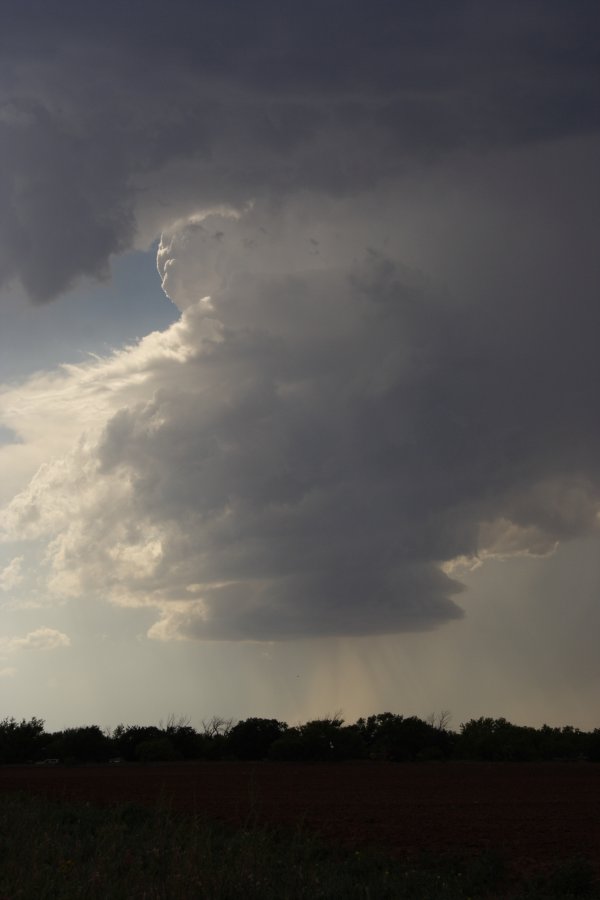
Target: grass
column 58, row 850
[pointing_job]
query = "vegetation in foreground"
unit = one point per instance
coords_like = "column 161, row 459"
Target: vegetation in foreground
column 65, row 851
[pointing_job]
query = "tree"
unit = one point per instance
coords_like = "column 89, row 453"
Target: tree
column 497, row 739
column 213, row 739
column 158, row 749
column 184, row 739
column 320, row 739
column 20, row 741
column 391, row 736
column 252, row 738
column 126, row 739
column 217, row 726
column 85, row 744
column 440, row 721
column 593, row 748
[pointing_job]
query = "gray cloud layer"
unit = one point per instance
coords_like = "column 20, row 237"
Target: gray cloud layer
column 107, row 112
column 397, row 366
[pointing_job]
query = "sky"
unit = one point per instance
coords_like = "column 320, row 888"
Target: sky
column 298, row 360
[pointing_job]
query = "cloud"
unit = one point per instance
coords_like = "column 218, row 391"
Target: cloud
column 40, row 639
column 10, row 576
column 8, row 672
column 379, row 226
column 328, row 430
column 131, row 122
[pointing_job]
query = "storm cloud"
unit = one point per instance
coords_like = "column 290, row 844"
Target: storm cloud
column 117, row 118
column 380, row 228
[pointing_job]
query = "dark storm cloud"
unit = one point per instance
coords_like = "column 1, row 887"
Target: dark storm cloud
column 397, row 366
column 98, row 99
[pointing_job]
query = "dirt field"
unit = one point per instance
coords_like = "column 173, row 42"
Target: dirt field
column 533, row 814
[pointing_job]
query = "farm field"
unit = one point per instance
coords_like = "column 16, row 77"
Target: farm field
column 532, row 814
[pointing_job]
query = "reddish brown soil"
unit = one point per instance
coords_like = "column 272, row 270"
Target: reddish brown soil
column 532, row 814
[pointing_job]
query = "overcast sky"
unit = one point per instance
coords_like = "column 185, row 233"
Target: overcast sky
column 298, row 359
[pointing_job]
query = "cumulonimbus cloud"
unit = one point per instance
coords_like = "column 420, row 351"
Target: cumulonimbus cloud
column 324, row 435
column 387, row 272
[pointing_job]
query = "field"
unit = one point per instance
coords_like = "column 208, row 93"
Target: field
column 532, row 815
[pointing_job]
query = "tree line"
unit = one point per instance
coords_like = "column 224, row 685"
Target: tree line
column 384, row 736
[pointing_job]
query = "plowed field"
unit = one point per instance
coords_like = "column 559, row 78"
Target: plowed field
column 532, row 814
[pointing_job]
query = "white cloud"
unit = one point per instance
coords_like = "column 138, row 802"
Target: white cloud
column 10, row 575
column 40, row 639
